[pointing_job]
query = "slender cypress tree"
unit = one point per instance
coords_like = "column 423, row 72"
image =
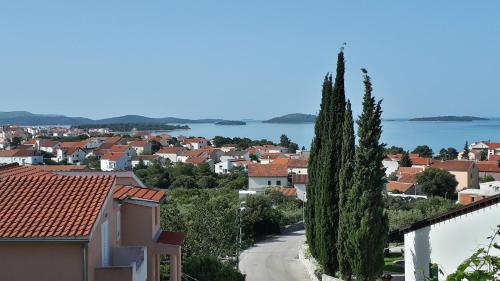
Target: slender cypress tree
column 365, row 197
column 346, row 171
column 465, row 155
column 405, row 160
column 314, row 167
column 328, row 218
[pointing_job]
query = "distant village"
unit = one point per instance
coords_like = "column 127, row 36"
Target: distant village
column 268, row 165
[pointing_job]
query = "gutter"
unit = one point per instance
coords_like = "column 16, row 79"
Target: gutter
column 85, row 262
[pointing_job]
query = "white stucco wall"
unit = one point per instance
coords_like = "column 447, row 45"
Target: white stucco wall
column 449, row 243
column 301, row 191
column 390, row 166
column 259, row 183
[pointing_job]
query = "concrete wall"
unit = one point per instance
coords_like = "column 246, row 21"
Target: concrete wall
column 256, row 183
column 448, row 243
column 41, row 262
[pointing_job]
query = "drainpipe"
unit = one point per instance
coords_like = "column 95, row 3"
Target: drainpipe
column 85, row 263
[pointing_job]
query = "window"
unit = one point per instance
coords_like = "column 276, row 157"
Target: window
column 278, row 183
column 268, row 182
column 472, row 198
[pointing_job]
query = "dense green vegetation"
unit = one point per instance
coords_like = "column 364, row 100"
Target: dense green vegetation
column 403, row 212
column 190, row 176
column 292, row 118
column 231, row 123
column 127, row 127
column 210, row 218
column 423, row 151
column 405, row 160
column 286, row 142
column 241, row 143
column 437, row 182
column 447, row 154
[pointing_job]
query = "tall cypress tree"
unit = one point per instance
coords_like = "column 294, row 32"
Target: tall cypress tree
column 328, row 217
column 346, row 171
column 314, row 167
column 466, row 152
column 405, row 160
column 366, row 199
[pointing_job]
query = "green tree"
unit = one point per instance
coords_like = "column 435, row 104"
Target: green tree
column 284, row 141
column 423, row 151
column 207, row 182
column 346, row 173
column 93, row 162
column 259, row 217
column 208, row 268
column 465, row 154
column 327, row 218
column 484, row 155
column 369, row 220
column 254, row 157
column 486, row 178
column 452, row 153
column 405, row 160
column 394, row 150
column 313, row 189
column 184, row 181
column 437, row 182
column 154, row 175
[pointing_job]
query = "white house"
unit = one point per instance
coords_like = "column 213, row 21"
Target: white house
column 21, row 156
column 299, row 183
column 171, row 153
column 112, row 161
column 73, row 155
column 146, row 159
column 195, row 143
column 228, row 147
column 235, row 155
column 486, row 189
column 224, row 167
column 261, row 176
column 141, row 147
column 446, row 241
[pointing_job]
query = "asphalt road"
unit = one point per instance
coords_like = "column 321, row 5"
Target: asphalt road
column 275, row 259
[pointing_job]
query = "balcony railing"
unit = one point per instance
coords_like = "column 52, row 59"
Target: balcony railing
column 127, row 263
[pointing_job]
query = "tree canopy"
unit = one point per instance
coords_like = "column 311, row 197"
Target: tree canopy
column 437, row 182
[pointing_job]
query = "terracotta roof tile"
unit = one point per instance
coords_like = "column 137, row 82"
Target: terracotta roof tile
column 488, row 166
column 300, row 179
column 170, row 150
column 453, row 165
column 171, row 238
column 286, row 191
column 35, row 207
column 399, row 186
column 123, row 192
column 417, row 160
column 267, row 170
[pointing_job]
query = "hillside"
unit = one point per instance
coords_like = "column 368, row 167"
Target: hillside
column 30, row 119
column 449, row 118
column 293, row 118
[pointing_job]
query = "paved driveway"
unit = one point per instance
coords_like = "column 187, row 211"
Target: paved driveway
column 275, row 259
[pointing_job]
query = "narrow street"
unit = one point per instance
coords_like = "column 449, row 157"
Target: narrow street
column 275, row 259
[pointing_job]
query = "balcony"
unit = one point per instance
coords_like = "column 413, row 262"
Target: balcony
column 127, row 264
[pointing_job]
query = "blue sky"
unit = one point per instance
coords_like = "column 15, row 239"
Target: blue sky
column 246, row 59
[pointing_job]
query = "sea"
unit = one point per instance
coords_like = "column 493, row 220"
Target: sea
column 403, row 133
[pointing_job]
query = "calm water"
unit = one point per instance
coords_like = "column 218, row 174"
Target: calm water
column 400, row 133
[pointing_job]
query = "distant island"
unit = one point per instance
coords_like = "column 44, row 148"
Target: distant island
column 127, row 127
column 293, row 118
column 231, row 123
column 449, row 118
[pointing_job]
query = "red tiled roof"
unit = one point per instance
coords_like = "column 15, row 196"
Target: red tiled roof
column 286, row 191
column 171, row 238
column 494, row 158
column 51, row 207
column 417, row 160
column 145, row 157
column 112, row 139
column 408, row 178
column 271, row 155
column 113, row 156
column 488, row 166
column 60, row 168
column 30, row 142
column 119, row 148
column 267, row 170
column 123, row 192
column 106, row 145
column 18, row 153
column 453, row 165
column 170, row 150
column 410, row 170
column 194, row 140
column 300, row 179
column 194, row 153
column 399, row 186
column 70, row 150
column 14, row 170
column 196, row 160
column 79, row 144
column 494, row 145
column 140, row 143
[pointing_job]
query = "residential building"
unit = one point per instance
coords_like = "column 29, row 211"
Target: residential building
column 21, row 156
column 300, row 183
column 466, row 172
column 115, row 161
column 489, row 168
column 146, row 159
column 407, row 188
column 235, row 155
column 141, row 147
column 100, row 231
column 261, row 176
column 421, row 162
column 486, row 189
column 435, row 247
column 195, row 143
column 295, row 166
column 228, row 147
column 73, row 155
column 269, row 157
column 171, row 153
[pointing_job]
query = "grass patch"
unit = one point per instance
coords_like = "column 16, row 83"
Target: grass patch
column 389, row 263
